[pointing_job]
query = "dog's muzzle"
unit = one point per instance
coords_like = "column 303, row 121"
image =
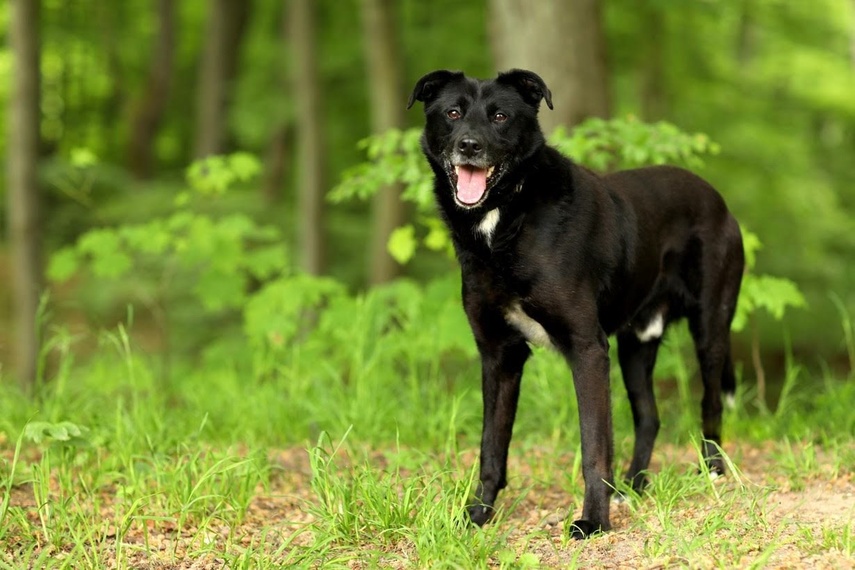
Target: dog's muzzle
column 471, row 182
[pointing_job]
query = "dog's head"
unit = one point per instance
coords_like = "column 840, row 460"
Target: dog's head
column 478, row 131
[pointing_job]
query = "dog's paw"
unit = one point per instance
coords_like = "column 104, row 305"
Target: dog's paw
column 714, row 468
column 638, row 484
column 581, row 529
column 619, row 498
column 480, row 514
column 715, row 472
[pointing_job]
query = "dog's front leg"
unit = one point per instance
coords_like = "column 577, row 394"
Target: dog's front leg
column 501, row 372
column 590, row 364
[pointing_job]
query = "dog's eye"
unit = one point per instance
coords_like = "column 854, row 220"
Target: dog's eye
column 453, row 114
column 500, row 118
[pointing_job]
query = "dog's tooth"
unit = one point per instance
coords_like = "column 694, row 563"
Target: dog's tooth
column 490, row 171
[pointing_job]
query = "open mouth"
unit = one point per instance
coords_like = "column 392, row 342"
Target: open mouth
column 471, row 183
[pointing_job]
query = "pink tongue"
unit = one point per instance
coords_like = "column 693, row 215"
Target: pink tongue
column 471, row 184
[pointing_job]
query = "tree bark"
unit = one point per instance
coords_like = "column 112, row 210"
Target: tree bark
column 309, row 135
column 382, row 53
column 225, row 30
column 23, row 192
column 563, row 42
column 149, row 111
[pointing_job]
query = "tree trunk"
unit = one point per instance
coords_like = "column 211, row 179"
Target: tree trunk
column 309, row 140
column 151, row 108
column 652, row 81
column 277, row 163
column 109, row 22
column 23, row 190
column 225, row 29
column 382, row 51
column 563, row 42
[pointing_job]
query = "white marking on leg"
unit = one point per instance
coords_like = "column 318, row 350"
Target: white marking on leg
column 532, row 330
column 488, row 225
column 654, row 329
column 730, row 401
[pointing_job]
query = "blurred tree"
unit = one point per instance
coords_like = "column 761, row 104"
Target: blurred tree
column 224, row 34
column 111, row 36
column 149, row 110
column 652, row 89
column 563, row 41
column 382, row 50
column 277, row 162
column 24, row 195
column 310, row 147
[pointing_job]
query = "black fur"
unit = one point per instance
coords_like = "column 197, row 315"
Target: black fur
column 583, row 256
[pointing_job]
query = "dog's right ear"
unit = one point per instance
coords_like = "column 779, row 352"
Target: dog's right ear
column 428, row 86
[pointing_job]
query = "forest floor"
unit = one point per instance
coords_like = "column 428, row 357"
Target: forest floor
column 765, row 516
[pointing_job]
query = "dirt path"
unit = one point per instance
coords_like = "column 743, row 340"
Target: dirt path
column 788, row 517
column 641, row 540
column 764, row 517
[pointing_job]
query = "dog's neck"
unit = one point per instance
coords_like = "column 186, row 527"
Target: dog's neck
column 487, row 226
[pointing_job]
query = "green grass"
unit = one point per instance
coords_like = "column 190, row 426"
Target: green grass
column 112, row 464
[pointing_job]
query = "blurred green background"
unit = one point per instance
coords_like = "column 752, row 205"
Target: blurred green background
column 132, row 92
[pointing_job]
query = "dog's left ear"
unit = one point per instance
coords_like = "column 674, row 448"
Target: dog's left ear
column 529, row 84
column 428, row 86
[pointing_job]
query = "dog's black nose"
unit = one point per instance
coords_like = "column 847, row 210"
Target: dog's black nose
column 469, row 147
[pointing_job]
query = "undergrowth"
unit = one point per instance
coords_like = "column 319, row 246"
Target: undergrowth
column 107, row 450
column 128, row 459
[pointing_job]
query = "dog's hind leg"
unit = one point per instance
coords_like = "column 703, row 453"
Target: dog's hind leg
column 637, row 358
column 709, row 324
column 711, row 348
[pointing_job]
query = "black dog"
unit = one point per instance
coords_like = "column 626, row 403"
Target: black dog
column 552, row 253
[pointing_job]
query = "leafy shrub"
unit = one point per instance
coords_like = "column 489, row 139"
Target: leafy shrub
column 302, row 325
column 395, row 156
column 186, row 256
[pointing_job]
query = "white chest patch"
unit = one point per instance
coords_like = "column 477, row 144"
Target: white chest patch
column 488, row 225
column 532, row 330
column 654, row 329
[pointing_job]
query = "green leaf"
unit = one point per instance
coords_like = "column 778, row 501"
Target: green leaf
column 63, row 264
column 244, row 165
column 751, row 245
column 218, row 290
column 265, row 262
column 776, row 294
column 437, row 238
column 103, row 246
column 402, row 244
column 216, row 174
column 83, row 158
column 37, row 432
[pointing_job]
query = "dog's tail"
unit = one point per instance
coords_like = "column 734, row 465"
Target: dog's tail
column 728, row 382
